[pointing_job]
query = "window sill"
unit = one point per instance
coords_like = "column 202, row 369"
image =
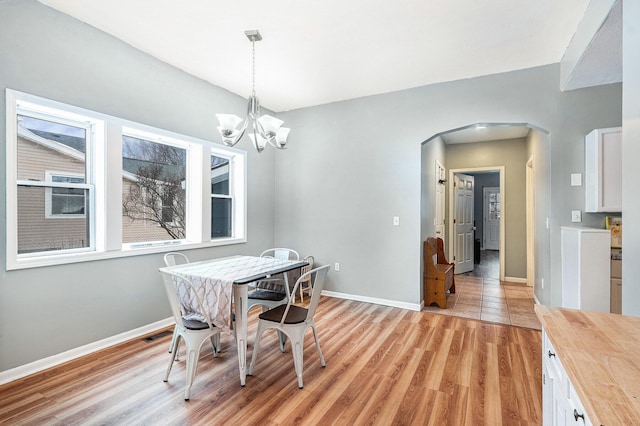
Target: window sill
column 62, row 259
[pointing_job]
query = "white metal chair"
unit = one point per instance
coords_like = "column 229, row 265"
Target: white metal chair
column 272, row 292
column 194, row 332
column 293, row 321
column 171, row 259
column 175, row 258
column 306, row 284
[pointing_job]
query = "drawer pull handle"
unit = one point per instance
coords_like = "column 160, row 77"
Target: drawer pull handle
column 577, row 416
column 551, row 354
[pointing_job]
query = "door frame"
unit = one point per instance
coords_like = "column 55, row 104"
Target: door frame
column 530, row 218
column 501, row 171
column 442, row 207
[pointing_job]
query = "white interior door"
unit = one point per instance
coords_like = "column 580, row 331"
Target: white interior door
column 438, row 220
column 491, row 218
column 463, row 222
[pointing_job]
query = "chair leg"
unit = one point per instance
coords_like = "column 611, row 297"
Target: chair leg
column 283, row 340
column 174, row 356
column 297, row 347
column 192, row 365
column 315, row 337
column 256, row 346
column 215, row 343
column 172, row 345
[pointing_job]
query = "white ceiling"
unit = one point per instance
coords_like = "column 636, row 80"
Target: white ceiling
column 316, row 52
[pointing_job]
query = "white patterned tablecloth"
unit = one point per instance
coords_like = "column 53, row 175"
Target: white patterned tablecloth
column 213, row 281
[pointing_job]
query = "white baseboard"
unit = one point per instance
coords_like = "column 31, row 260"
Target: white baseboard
column 54, row 360
column 516, row 280
column 376, row 301
column 536, row 300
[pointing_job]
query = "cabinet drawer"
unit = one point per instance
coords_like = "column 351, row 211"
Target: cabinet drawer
column 554, row 366
column 576, row 414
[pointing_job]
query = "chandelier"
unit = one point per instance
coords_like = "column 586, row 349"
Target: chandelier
column 263, row 129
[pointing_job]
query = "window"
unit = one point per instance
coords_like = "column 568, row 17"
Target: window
column 221, row 198
column 65, row 202
column 70, row 185
column 154, row 190
column 57, row 141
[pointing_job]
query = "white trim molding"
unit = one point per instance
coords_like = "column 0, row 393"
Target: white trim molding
column 55, row 360
column 374, row 300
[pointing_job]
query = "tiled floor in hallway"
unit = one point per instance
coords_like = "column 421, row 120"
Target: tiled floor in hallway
column 486, row 298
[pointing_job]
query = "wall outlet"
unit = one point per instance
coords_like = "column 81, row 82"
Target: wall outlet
column 576, row 179
column 336, row 267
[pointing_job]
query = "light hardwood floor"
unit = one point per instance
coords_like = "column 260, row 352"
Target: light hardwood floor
column 384, row 366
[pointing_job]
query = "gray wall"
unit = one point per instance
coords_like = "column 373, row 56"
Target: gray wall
column 538, row 149
column 361, row 163
column 432, row 151
column 630, row 156
column 45, row 311
column 482, row 181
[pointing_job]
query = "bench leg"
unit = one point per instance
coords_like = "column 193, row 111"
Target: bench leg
column 435, row 293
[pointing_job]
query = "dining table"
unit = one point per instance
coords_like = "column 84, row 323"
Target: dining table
column 222, row 283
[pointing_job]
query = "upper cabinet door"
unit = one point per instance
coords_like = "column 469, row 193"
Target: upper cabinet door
column 603, row 170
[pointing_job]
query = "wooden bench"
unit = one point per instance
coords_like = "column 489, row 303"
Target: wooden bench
column 438, row 273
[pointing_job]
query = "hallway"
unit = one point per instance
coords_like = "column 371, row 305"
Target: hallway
column 481, row 295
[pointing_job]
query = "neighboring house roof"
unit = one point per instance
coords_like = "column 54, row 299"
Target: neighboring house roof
column 74, row 147
column 52, row 144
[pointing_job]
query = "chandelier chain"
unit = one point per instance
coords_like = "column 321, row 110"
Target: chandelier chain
column 253, row 66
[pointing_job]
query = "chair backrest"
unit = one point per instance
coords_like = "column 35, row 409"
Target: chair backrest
column 175, row 258
column 430, row 251
column 435, row 246
column 281, row 253
column 318, row 276
column 176, row 285
column 440, row 251
column 305, row 269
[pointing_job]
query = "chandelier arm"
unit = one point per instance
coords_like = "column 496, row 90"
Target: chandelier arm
column 243, row 129
column 256, row 136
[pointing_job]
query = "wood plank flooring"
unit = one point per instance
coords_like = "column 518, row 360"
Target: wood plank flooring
column 384, row 366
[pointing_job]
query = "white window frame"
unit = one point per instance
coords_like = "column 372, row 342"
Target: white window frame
column 193, row 155
column 104, row 181
column 232, row 195
column 237, row 193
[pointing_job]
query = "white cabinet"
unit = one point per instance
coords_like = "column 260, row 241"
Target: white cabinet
column 585, row 256
column 603, row 170
column 560, row 403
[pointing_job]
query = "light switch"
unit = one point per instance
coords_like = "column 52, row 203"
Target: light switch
column 576, row 179
column 396, row 220
column 576, row 216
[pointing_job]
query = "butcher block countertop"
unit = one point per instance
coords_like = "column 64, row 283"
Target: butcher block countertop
column 601, row 355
